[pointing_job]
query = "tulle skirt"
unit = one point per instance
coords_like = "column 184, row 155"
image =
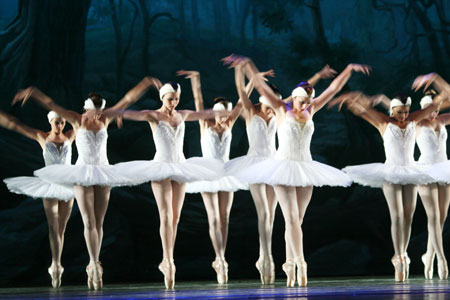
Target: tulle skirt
column 274, row 171
column 192, row 169
column 236, row 165
column 439, row 171
column 84, row 175
column 224, row 184
column 377, row 174
column 38, row 188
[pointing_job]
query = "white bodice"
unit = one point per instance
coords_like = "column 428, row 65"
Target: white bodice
column 294, row 140
column 399, row 144
column 261, row 137
column 54, row 154
column 91, row 147
column 169, row 142
column 216, row 147
column 432, row 145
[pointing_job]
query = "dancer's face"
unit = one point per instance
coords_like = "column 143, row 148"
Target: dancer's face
column 301, row 103
column 58, row 125
column 170, row 100
column 400, row 113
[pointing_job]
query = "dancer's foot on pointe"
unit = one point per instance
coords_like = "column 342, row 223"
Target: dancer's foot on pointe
column 302, row 277
column 221, row 268
column 428, row 261
column 167, row 267
column 289, row 268
column 97, row 279
column 407, row 263
column 442, row 269
column 263, row 266
column 56, row 272
column 90, row 275
column 272, row 270
column 400, row 268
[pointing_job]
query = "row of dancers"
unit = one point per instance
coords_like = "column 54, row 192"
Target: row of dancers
column 285, row 175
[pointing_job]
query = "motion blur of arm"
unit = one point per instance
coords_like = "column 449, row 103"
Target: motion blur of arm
column 12, row 123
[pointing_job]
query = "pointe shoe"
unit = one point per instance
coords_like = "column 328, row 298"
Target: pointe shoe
column 221, row 268
column 167, row 267
column 263, row 266
column 272, row 270
column 428, row 265
column 289, row 268
column 90, row 275
column 56, row 273
column 302, row 278
column 98, row 284
column 400, row 268
column 442, row 269
column 407, row 263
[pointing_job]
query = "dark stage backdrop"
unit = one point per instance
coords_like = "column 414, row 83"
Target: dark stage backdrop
column 69, row 48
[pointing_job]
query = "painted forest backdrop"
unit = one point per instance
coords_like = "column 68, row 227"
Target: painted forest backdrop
column 69, row 48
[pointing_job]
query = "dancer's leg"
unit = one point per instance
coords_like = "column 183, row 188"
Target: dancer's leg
column 211, row 201
column 162, row 191
column 101, row 195
column 178, row 193
column 225, row 203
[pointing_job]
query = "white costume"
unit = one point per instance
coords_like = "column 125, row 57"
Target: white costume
column 38, row 188
column 433, row 153
column 92, row 166
column 399, row 168
column 169, row 161
column 261, row 140
column 215, row 147
column 293, row 164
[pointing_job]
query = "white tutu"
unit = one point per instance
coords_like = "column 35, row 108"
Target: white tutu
column 224, row 184
column 377, row 174
column 38, row 188
column 85, row 175
column 238, row 164
column 274, row 171
column 192, row 169
column 439, row 171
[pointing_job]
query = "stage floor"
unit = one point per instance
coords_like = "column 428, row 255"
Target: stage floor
column 326, row 288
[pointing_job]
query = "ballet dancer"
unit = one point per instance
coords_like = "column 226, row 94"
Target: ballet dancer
column 218, row 194
column 92, row 177
column 57, row 199
column 261, row 129
column 432, row 142
column 292, row 172
column 399, row 175
column 169, row 171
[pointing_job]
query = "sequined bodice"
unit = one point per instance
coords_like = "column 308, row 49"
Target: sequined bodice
column 294, row 140
column 261, row 137
column 432, row 145
column 54, row 154
column 399, row 144
column 169, row 142
column 214, row 146
column 91, row 147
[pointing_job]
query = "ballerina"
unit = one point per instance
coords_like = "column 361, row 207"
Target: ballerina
column 261, row 129
column 292, row 172
column 432, row 140
column 399, row 175
column 57, row 200
column 217, row 195
column 169, row 171
column 92, row 177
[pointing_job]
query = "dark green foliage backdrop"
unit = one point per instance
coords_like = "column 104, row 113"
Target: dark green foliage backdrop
column 70, row 48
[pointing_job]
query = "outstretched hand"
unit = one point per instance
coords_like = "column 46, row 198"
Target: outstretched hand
column 234, row 60
column 423, row 81
column 270, row 73
column 346, row 98
column 188, row 74
column 22, row 96
column 154, row 81
column 327, row 72
column 365, row 69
